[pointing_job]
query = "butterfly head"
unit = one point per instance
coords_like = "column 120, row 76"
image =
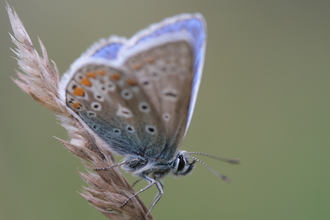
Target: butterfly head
column 182, row 165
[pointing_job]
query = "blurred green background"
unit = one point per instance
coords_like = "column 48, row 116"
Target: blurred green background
column 264, row 98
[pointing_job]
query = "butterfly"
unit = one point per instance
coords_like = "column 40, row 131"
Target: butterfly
column 138, row 96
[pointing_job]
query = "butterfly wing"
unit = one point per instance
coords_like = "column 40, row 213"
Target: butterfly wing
column 194, row 26
column 140, row 104
column 114, row 107
column 164, row 73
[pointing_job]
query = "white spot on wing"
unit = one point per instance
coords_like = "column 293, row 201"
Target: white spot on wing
column 166, row 116
column 144, row 107
column 151, row 129
column 99, row 97
column 110, row 86
column 124, row 112
column 96, row 106
column 170, row 94
column 126, row 94
column 130, row 128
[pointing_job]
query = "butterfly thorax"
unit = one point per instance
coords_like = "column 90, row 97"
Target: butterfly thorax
column 159, row 168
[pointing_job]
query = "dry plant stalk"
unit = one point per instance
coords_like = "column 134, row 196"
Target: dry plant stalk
column 107, row 189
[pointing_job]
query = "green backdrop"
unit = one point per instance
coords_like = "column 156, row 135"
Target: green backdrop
column 264, row 98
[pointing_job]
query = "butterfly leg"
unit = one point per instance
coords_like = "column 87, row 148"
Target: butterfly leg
column 159, row 195
column 162, row 187
column 151, row 183
column 138, row 180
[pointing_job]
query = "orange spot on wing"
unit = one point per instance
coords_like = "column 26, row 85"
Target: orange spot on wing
column 101, row 72
column 149, row 60
column 76, row 105
column 131, row 82
column 137, row 66
column 86, row 82
column 116, row 76
column 78, row 91
column 90, row 75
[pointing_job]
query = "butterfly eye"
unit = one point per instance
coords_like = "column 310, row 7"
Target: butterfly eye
column 182, row 163
column 182, row 166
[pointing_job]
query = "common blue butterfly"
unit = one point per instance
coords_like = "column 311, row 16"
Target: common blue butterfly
column 138, row 95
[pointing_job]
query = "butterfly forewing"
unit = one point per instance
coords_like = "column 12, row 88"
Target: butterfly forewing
column 165, row 74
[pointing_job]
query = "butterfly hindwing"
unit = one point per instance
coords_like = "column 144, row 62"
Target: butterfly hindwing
column 115, row 108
